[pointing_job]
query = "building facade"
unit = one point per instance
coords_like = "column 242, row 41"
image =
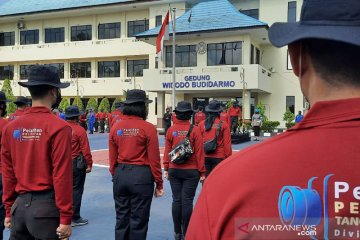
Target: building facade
column 94, row 46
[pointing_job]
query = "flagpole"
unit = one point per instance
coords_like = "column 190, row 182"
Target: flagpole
column 173, row 59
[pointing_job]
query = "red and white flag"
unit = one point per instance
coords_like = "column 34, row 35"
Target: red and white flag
column 163, row 35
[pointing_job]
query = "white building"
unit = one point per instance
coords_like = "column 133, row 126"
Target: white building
column 93, row 42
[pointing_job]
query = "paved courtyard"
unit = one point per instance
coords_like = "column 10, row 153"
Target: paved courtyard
column 98, row 205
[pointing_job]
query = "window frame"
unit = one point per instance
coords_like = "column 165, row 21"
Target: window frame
column 11, row 37
column 292, row 8
column 128, row 65
column 60, row 67
column 254, row 12
column 182, row 53
column 74, row 70
column 224, row 55
column 56, row 38
column 102, row 72
column 10, row 75
column 158, row 20
column 87, row 30
column 23, row 72
column 114, row 30
column 26, row 34
column 136, row 24
column 289, row 107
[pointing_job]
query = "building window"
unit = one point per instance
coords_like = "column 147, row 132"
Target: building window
column 257, row 59
column 224, row 53
column 81, row 33
column 29, row 37
column 109, row 69
column 252, row 54
column 156, row 105
column 7, row 39
column 135, row 27
column 109, row 30
column 80, row 70
column 254, row 13
column 24, row 71
column 290, row 103
column 7, row 72
column 54, row 35
column 292, row 11
column 59, row 67
column 135, row 68
column 158, row 20
column 186, row 56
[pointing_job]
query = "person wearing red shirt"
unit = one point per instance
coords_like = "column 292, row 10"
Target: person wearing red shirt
column 116, row 115
column 224, row 116
column 21, row 103
column 3, row 122
column 36, row 163
column 102, row 119
column 96, row 124
column 134, row 158
column 82, row 162
column 306, row 178
column 184, row 178
column 235, row 115
column 208, row 129
column 200, row 116
column 82, row 120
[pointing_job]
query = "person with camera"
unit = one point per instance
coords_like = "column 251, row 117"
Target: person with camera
column 216, row 137
column 37, row 164
column 82, row 162
column 135, row 165
column 184, row 173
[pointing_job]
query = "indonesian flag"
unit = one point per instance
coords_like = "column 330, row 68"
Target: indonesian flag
column 163, row 35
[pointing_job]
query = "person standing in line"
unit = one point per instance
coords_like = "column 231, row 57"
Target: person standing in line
column 21, row 103
column 184, row 178
column 61, row 114
column 3, row 123
column 200, row 116
column 37, row 164
column 256, row 123
column 299, row 117
column 167, row 119
column 82, row 162
column 135, row 165
column 102, row 118
column 209, row 129
column 308, row 176
column 224, row 116
column 83, row 119
column 116, row 115
column 235, row 116
column 91, row 121
column 96, row 124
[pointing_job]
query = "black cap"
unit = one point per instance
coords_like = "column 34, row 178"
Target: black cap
column 214, row 106
column 183, row 106
column 44, row 75
column 3, row 97
column 135, row 96
column 22, row 101
column 337, row 20
column 72, row 111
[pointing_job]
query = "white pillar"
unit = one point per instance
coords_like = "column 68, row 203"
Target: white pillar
column 160, row 108
column 246, row 105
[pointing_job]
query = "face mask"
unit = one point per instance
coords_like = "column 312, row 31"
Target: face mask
column 58, row 100
column 3, row 107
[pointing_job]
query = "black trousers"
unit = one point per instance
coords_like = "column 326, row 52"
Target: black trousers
column 96, row 125
column 2, row 210
column 211, row 163
column 79, row 176
column 183, row 184
column 234, row 123
column 102, row 125
column 133, row 191
column 167, row 126
column 34, row 216
column 257, row 131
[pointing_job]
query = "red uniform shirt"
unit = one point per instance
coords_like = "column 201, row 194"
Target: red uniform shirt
column 224, row 148
column 174, row 136
column 115, row 116
column 135, row 141
column 82, row 118
column 16, row 114
column 225, row 118
column 96, row 116
column 3, row 123
column 36, row 156
column 80, row 143
column 102, row 116
column 308, row 173
column 199, row 117
column 235, row 112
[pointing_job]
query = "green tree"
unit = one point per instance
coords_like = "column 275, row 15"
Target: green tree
column 77, row 102
column 65, row 102
column 118, row 99
column 261, row 108
column 289, row 118
column 7, row 89
column 104, row 105
column 93, row 104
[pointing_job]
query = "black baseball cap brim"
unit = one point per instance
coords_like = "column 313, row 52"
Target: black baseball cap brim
column 33, row 84
column 130, row 101
column 282, row 34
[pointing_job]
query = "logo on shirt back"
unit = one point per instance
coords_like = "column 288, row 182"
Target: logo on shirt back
column 128, row 132
column 26, row 134
column 180, row 133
